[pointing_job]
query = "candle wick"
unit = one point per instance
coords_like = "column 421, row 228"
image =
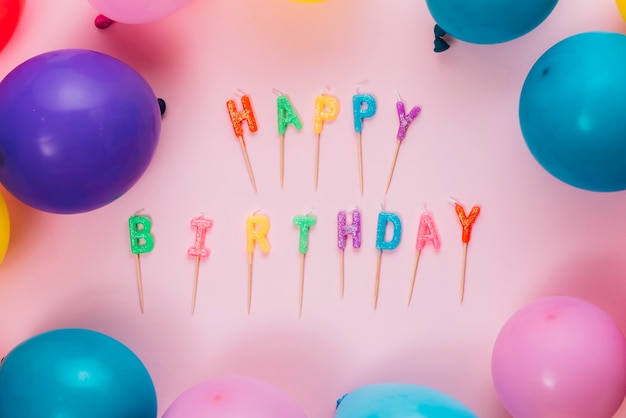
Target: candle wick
column 137, row 212
column 397, row 95
column 359, row 85
column 240, row 92
column 278, row 92
column 453, row 200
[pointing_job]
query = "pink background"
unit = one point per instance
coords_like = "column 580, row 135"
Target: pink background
column 535, row 236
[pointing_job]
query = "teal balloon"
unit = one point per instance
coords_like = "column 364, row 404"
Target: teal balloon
column 489, row 21
column 400, row 400
column 572, row 111
column 75, row 373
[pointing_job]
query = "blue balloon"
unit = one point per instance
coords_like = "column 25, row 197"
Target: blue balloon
column 400, row 400
column 75, row 373
column 78, row 128
column 572, row 111
column 489, row 21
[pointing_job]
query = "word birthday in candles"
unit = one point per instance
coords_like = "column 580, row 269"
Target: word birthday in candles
column 389, row 232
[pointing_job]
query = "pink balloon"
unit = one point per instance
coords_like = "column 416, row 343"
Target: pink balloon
column 234, row 397
column 560, row 357
column 137, row 11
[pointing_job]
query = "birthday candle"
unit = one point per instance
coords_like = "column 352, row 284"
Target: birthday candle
column 426, row 232
column 304, row 223
column 326, row 109
column 405, row 121
column 363, row 106
column 141, row 242
column 385, row 218
column 202, row 226
column 257, row 228
column 343, row 230
column 467, row 221
column 237, row 117
column 286, row 116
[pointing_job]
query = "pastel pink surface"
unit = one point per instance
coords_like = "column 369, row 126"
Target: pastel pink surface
column 535, row 237
column 233, row 397
column 137, row 11
column 560, row 357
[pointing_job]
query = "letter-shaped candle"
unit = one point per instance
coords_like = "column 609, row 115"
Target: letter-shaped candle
column 363, row 106
column 467, row 221
column 237, row 117
column 426, row 232
column 405, row 121
column 257, row 227
column 286, row 116
column 202, row 226
column 385, row 218
column 304, row 223
column 141, row 242
column 343, row 230
column 326, row 109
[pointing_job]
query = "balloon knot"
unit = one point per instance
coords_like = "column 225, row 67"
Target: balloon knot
column 340, row 399
column 103, row 22
column 440, row 44
column 162, row 106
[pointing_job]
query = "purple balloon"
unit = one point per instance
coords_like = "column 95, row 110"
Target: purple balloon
column 78, row 128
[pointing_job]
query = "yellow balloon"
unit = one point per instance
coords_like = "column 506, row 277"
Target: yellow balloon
column 5, row 229
column 621, row 5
